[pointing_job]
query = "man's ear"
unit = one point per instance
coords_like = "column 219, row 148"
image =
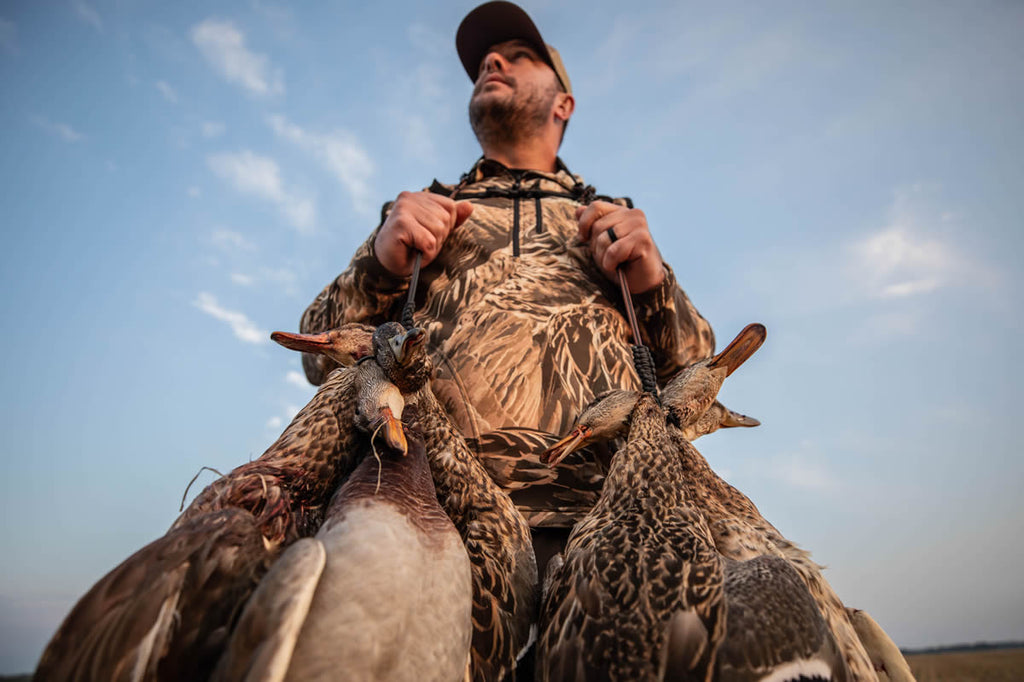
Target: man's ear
column 565, row 104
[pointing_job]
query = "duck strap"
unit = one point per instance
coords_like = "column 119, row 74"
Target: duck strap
column 414, row 279
column 643, row 361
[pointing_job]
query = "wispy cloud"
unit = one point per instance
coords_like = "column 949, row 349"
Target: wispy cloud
column 914, row 254
column 229, row 240
column 275, row 422
column 223, row 46
column 195, row 192
column 296, row 379
column 62, row 130
column 339, row 151
column 260, row 176
column 241, row 326
column 88, row 14
column 167, row 91
column 241, row 280
column 213, row 129
column 8, row 36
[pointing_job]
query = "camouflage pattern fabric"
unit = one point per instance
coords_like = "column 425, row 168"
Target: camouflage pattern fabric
column 522, row 327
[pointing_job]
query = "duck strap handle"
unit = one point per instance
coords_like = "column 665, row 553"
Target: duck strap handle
column 414, row 279
column 410, row 301
column 643, row 361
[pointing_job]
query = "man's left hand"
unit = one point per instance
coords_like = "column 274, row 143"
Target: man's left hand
column 633, row 247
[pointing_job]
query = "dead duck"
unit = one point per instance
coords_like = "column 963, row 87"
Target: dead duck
column 382, row 592
column 738, row 530
column 165, row 612
column 493, row 531
column 637, row 593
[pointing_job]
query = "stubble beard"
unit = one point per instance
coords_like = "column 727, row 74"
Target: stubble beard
column 507, row 121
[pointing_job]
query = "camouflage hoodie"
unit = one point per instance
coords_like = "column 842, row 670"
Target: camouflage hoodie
column 523, row 329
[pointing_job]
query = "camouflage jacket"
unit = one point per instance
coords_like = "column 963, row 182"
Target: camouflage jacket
column 523, row 329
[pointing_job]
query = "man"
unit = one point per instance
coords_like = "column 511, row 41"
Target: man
column 518, row 291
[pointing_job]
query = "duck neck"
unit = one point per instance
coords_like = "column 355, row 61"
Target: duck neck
column 464, row 488
column 647, row 470
column 389, row 477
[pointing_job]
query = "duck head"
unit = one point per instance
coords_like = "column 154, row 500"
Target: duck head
column 402, row 354
column 379, row 406
column 604, row 418
column 346, row 345
column 692, row 392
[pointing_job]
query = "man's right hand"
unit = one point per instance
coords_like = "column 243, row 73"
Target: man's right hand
column 419, row 221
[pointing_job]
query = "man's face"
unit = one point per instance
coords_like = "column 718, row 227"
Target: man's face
column 514, row 93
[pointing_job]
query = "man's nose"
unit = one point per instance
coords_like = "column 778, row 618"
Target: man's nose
column 493, row 61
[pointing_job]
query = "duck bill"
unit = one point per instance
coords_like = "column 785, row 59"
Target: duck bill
column 394, row 434
column 408, row 341
column 740, row 349
column 305, row 343
column 574, row 441
column 734, row 419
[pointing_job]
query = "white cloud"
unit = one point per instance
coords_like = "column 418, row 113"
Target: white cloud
column 223, row 45
column 915, row 253
column 62, row 130
column 88, row 14
column 339, row 151
column 241, row 280
column 167, row 91
column 250, row 173
column 229, row 240
column 213, row 129
column 241, row 326
column 296, row 379
column 8, row 36
column 274, row 423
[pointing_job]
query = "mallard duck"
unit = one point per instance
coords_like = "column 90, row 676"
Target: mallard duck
column 637, row 594
column 495, row 534
column 165, row 612
column 382, row 592
column 738, row 531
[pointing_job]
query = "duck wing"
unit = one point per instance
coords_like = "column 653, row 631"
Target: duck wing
column 774, row 628
column 263, row 641
column 621, row 609
column 165, row 612
column 287, row 488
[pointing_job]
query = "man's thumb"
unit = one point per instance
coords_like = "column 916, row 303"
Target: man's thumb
column 463, row 209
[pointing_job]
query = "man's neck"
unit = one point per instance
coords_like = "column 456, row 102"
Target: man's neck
column 523, row 159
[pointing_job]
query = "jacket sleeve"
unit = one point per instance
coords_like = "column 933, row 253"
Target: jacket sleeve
column 676, row 333
column 364, row 292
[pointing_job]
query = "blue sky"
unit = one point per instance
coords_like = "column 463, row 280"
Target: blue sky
column 180, row 179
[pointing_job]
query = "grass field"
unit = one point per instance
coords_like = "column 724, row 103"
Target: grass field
column 996, row 665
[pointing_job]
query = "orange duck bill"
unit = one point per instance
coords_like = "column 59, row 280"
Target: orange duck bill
column 394, row 434
column 577, row 439
column 740, row 349
column 305, row 343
